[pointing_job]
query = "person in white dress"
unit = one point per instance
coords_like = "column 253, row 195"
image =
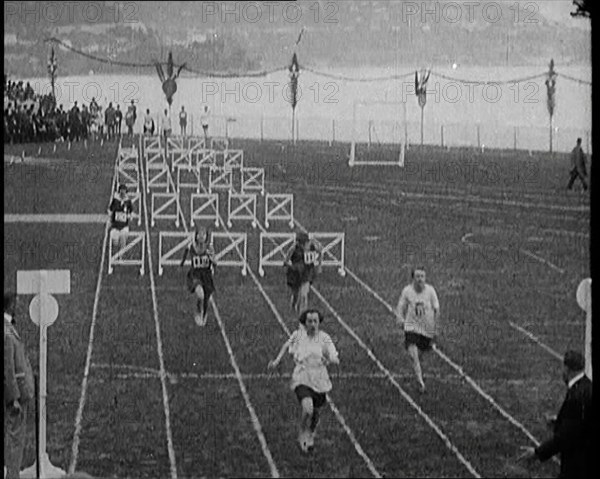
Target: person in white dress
column 312, row 350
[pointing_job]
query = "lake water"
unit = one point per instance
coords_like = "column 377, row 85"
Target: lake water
column 498, row 115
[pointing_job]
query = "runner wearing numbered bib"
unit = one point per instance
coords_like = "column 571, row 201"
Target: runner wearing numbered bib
column 119, row 213
column 418, row 311
column 200, row 275
column 303, row 263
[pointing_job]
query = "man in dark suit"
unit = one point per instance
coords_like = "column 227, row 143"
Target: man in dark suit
column 578, row 169
column 572, row 428
column 18, row 391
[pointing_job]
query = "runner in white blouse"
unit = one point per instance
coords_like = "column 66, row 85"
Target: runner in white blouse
column 312, row 351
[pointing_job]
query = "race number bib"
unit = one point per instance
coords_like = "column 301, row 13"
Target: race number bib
column 200, row 261
column 310, row 257
column 121, row 217
column 419, row 309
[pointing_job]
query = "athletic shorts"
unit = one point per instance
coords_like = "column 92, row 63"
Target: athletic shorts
column 116, row 232
column 297, row 274
column 202, row 278
column 422, row 342
column 302, row 391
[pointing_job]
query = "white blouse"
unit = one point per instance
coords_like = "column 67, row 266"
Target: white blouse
column 308, row 353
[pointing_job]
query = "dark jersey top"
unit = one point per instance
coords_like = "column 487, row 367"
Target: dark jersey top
column 303, row 265
column 307, row 258
column 200, row 261
column 121, row 209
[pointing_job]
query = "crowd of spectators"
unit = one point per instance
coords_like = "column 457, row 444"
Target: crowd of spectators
column 35, row 118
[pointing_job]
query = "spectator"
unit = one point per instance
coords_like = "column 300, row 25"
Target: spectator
column 148, row 124
column 118, row 120
column 166, row 124
column 18, row 391
column 130, row 118
column 110, row 121
column 183, row 121
column 204, row 117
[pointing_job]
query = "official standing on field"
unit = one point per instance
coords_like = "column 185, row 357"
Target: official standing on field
column 579, row 169
column 18, row 391
column 572, row 429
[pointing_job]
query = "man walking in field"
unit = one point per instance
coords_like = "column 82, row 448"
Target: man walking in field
column 578, row 166
column 418, row 311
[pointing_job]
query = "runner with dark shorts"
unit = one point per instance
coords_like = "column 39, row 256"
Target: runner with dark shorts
column 200, row 276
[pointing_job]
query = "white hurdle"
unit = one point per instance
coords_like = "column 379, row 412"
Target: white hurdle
column 188, row 177
column 233, row 159
column 329, row 242
column 281, row 241
column 253, row 179
column 159, row 205
column 203, row 158
column 117, row 258
column 158, row 177
column 220, row 179
column 204, row 207
column 171, row 245
column 219, row 143
column 224, row 253
column 241, row 207
column 153, row 150
column 279, row 207
column 135, row 198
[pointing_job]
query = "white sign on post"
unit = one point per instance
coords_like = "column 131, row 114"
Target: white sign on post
column 584, row 300
column 44, row 311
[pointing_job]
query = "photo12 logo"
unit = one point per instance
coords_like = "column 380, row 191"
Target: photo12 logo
column 31, row 13
column 471, row 12
column 268, row 91
column 271, row 12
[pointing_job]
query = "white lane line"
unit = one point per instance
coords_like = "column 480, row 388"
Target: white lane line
column 88, row 357
column 541, row 260
column 161, row 360
column 238, row 375
column 404, row 394
column 253, row 416
column 536, row 340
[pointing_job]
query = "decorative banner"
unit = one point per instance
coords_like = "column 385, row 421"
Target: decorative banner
column 551, row 89
column 52, row 63
column 169, row 86
column 294, row 74
column 421, row 86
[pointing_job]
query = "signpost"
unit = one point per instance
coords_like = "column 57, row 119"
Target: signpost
column 584, row 300
column 43, row 310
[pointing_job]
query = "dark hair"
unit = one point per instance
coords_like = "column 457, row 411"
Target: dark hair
column 122, row 187
column 574, row 361
column 305, row 313
column 578, row 140
column 416, row 268
column 10, row 300
column 302, row 237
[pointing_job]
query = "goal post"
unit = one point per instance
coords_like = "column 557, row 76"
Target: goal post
column 379, row 133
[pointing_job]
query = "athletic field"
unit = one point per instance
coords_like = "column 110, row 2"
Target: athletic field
column 137, row 389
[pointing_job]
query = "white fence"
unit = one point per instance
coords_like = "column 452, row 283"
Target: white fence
column 434, row 133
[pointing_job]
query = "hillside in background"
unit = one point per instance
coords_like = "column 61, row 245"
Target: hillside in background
column 344, row 34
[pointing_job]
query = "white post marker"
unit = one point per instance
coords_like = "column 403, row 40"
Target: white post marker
column 584, row 300
column 44, row 311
